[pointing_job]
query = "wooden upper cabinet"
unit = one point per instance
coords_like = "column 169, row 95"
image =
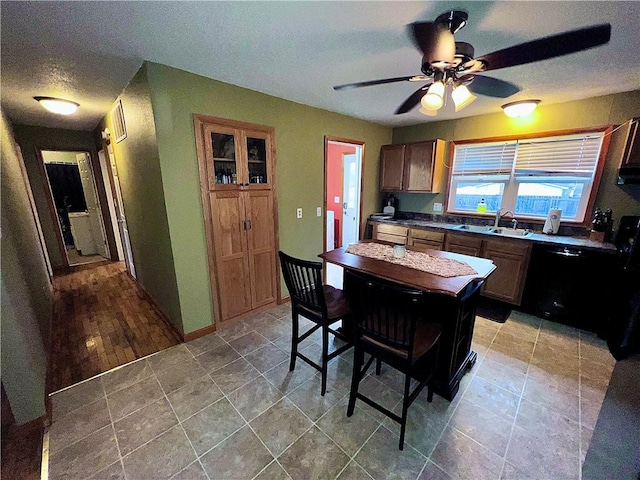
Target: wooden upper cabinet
column 412, row 167
column 631, row 155
column 391, row 168
column 238, row 158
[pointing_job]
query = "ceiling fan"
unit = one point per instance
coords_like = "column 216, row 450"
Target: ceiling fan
column 448, row 65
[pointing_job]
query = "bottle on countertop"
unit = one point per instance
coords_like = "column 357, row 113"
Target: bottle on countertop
column 482, row 207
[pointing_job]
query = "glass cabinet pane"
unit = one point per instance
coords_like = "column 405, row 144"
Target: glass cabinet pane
column 223, row 147
column 257, row 160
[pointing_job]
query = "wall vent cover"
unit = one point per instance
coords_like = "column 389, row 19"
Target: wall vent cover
column 117, row 118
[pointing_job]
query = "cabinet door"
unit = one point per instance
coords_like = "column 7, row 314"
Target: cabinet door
column 464, row 244
column 391, row 167
column 418, row 167
column 506, row 283
column 390, row 233
column 631, row 156
column 256, row 156
column 261, row 246
column 223, row 149
column 426, row 239
column 232, row 268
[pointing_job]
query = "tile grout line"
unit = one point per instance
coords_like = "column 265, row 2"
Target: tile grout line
column 520, row 397
column 113, row 429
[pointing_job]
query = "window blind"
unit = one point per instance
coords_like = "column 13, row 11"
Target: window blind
column 575, row 156
column 485, row 158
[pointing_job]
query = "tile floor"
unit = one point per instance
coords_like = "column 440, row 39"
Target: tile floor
column 226, row 406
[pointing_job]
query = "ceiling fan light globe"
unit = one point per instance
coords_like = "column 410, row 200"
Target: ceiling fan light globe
column 434, row 99
column 428, row 112
column 520, row 108
column 462, row 97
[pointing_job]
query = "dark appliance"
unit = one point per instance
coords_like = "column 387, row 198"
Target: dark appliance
column 624, row 332
column 570, row 285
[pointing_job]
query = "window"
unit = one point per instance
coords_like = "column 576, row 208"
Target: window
column 528, row 176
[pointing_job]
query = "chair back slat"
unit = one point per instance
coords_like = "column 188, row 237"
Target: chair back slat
column 385, row 313
column 304, row 282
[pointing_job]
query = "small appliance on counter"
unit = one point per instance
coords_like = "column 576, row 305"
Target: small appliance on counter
column 552, row 223
column 390, row 204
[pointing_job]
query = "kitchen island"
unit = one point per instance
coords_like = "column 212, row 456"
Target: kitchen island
column 453, row 305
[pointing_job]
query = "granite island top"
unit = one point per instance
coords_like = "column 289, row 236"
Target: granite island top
column 559, row 240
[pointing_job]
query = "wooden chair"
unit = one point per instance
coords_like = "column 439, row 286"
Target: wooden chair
column 322, row 304
column 391, row 325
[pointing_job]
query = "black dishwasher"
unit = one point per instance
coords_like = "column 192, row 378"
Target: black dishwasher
column 570, row 285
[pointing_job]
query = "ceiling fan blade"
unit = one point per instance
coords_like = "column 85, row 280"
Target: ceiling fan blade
column 423, row 35
column 548, row 47
column 413, row 100
column 435, row 41
column 377, row 82
column 490, row 87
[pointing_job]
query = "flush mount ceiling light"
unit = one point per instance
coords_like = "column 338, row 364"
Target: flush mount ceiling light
column 521, row 108
column 58, row 105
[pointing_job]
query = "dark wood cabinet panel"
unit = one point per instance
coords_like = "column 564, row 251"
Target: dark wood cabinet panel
column 412, row 167
column 631, row 155
column 511, row 259
column 391, row 168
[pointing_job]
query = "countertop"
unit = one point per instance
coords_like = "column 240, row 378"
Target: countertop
column 576, row 242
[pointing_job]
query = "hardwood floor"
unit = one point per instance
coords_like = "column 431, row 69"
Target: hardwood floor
column 101, row 320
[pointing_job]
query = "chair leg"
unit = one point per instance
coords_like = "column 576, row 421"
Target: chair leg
column 294, row 340
column 358, row 359
column 405, row 408
column 325, row 354
column 429, row 394
column 378, row 366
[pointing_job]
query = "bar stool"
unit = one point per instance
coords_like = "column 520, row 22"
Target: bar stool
column 322, row 304
column 391, row 325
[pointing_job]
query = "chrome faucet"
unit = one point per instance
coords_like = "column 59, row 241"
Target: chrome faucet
column 499, row 215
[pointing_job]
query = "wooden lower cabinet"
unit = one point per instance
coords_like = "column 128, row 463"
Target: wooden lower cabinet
column 390, row 233
column 425, row 239
column 463, row 244
column 511, row 258
column 244, row 240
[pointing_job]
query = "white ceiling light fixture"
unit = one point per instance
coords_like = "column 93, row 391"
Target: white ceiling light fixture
column 434, row 99
column 462, row 97
column 520, row 108
column 58, row 105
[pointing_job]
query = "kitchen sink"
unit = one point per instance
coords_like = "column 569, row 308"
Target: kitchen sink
column 512, row 232
column 476, row 228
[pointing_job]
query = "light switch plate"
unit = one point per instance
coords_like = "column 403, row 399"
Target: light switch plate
column 437, row 207
column 298, row 213
column 336, row 200
column 319, row 212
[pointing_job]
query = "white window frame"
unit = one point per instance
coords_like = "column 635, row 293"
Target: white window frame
column 513, row 180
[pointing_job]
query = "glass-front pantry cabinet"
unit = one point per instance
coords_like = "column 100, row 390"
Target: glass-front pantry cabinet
column 236, row 162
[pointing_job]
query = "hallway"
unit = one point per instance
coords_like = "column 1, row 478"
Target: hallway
column 101, row 320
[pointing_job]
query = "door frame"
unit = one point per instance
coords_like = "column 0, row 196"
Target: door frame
column 327, row 140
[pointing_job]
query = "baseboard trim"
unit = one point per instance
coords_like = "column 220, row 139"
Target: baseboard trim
column 199, row 333
column 286, row 299
column 177, row 334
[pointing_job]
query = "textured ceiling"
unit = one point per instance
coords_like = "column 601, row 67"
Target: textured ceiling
column 88, row 51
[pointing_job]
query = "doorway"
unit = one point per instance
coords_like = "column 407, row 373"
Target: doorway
column 74, row 200
column 343, row 198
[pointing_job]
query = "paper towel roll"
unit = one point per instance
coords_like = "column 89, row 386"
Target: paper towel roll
column 552, row 224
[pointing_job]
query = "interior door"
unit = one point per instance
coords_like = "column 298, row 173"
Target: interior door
column 111, row 204
column 351, row 198
column 261, row 246
column 232, row 269
column 122, row 220
column 93, row 207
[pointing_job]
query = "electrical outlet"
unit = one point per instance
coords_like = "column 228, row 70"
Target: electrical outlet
column 319, row 212
column 437, row 207
column 298, row 213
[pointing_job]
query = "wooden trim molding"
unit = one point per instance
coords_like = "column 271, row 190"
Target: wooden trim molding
column 187, row 337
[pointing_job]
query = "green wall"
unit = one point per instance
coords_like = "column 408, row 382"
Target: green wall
column 31, row 138
column 300, row 130
column 26, row 294
column 592, row 112
column 144, row 199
